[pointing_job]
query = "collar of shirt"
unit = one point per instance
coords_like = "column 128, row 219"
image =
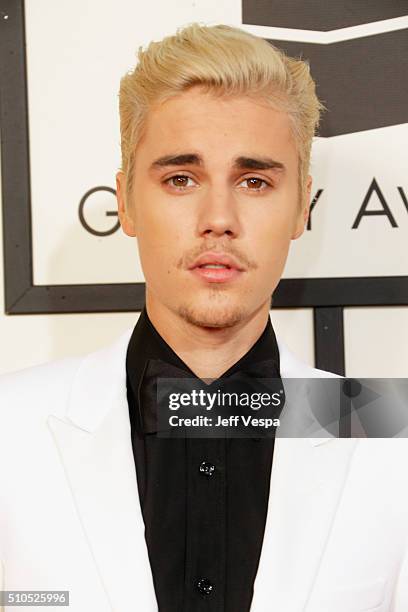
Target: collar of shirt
column 146, row 343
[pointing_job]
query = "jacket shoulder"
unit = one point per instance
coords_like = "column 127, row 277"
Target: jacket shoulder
column 37, row 387
column 49, row 388
column 292, row 367
column 58, row 369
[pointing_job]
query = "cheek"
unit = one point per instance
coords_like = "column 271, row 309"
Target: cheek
column 160, row 240
column 158, row 221
column 273, row 235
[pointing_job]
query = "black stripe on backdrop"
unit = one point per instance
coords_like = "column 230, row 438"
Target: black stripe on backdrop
column 359, row 80
column 329, row 339
column 319, row 15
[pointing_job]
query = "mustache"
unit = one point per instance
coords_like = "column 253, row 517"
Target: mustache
column 188, row 259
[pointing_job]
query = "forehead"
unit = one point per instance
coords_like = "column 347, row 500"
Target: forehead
column 217, row 125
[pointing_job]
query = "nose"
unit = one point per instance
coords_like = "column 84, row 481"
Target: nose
column 218, row 214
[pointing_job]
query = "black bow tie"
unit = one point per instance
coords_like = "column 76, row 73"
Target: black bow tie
column 259, row 377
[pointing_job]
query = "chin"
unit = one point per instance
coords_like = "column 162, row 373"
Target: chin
column 213, row 315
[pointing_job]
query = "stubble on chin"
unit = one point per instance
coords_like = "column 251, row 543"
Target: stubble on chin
column 212, row 314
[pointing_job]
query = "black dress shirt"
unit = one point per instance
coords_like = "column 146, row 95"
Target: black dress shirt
column 204, row 501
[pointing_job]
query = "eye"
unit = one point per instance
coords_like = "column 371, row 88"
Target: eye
column 180, row 181
column 254, row 183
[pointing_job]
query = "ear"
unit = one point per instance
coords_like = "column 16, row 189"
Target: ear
column 303, row 213
column 127, row 221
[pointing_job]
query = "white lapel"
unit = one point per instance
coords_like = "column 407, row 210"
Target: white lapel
column 308, row 477
column 95, row 448
column 307, row 482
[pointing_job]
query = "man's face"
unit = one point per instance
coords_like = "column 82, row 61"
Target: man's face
column 214, row 206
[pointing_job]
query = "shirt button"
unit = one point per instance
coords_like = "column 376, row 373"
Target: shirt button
column 204, row 586
column 207, row 469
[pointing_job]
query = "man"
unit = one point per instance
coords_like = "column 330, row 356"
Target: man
column 216, row 132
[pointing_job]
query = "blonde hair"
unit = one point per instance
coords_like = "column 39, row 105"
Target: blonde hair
column 225, row 61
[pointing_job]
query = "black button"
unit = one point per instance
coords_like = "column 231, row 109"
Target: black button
column 204, row 586
column 207, row 469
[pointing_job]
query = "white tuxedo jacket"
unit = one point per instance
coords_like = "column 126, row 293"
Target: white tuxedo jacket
column 70, row 519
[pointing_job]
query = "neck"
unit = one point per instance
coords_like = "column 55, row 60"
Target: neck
column 208, row 351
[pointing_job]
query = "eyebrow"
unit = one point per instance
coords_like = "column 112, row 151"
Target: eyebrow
column 184, row 159
column 263, row 163
column 241, row 162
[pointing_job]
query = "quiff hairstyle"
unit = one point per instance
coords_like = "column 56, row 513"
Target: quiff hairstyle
column 225, row 61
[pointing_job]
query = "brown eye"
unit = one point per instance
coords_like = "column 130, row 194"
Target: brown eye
column 254, row 184
column 180, row 181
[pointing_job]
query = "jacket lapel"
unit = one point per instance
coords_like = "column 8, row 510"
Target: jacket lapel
column 94, row 445
column 308, row 478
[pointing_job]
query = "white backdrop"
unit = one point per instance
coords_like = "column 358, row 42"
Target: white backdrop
column 76, row 53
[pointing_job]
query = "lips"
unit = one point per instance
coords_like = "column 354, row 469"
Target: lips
column 216, row 259
column 216, row 267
